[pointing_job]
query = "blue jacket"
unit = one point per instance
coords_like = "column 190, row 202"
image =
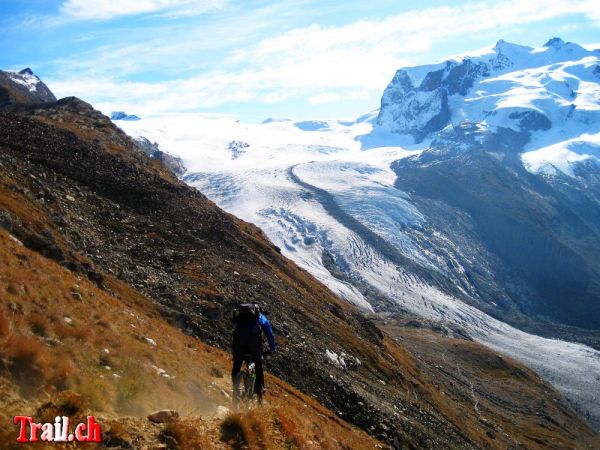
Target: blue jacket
column 266, row 327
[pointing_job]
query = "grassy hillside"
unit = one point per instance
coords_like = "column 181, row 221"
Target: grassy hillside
column 68, row 346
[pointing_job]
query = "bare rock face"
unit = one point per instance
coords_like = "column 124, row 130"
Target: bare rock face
column 420, row 107
column 173, row 163
column 164, row 416
column 237, row 148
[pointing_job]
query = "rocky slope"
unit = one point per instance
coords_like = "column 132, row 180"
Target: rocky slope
column 77, row 192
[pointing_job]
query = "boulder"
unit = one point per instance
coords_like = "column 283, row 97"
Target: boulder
column 6, row 221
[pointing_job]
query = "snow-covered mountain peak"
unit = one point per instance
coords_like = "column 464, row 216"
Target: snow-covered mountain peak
column 122, row 115
column 26, row 71
column 555, row 42
column 275, row 120
column 26, row 78
column 527, row 98
column 509, row 48
column 23, row 86
column 566, row 50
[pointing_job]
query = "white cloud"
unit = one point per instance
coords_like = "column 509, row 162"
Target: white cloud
column 331, row 97
column 321, row 64
column 325, row 97
column 107, row 9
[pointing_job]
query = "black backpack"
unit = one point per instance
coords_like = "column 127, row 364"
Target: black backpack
column 246, row 313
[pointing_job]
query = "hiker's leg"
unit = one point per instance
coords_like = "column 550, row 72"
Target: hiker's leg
column 238, row 359
column 237, row 366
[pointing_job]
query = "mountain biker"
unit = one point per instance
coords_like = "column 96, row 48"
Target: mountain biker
column 250, row 322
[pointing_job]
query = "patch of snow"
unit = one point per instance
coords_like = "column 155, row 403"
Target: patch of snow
column 563, row 156
column 25, row 78
column 335, row 359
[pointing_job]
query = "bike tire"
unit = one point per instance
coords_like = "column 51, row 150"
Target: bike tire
column 250, row 382
column 240, row 382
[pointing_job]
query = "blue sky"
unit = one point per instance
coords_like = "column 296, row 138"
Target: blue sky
column 258, row 58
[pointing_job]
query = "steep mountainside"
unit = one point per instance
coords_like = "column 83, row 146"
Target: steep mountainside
column 544, row 244
column 71, row 348
column 78, row 192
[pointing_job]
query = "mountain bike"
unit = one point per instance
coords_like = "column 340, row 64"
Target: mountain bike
column 245, row 380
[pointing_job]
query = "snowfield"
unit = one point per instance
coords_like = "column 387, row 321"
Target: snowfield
column 323, row 191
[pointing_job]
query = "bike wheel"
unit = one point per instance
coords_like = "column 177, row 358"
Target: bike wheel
column 250, row 381
column 239, row 387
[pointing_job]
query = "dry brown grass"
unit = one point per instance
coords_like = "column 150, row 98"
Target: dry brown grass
column 8, row 434
column 61, row 376
column 18, row 205
column 68, row 331
column 181, row 436
column 117, row 436
column 4, row 324
column 39, row 324
column 217, row 372
column 204, row 286
column 27, row 362
column 67, row 403
column 295, row 435
column 246, row 430
column 72, row 356
column 290, row 424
